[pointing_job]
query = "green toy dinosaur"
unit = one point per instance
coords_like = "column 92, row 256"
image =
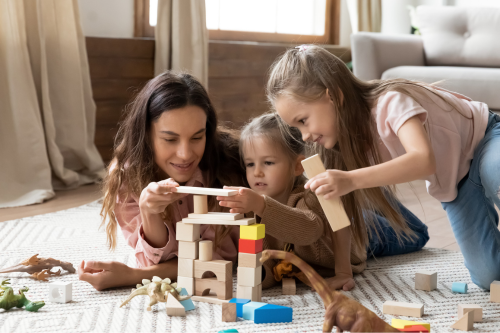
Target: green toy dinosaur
column 8, row 299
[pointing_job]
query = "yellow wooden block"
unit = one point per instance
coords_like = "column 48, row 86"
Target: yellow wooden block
column 254, row 231
column 400, row 323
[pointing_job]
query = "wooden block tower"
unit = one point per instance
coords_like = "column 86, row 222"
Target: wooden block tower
column 249, row 265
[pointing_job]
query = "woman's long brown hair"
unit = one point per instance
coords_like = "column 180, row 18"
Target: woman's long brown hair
column 133, row 166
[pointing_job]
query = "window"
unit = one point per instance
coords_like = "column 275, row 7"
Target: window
column 292, row 21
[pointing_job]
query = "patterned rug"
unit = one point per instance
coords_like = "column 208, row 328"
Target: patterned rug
column 73, row 235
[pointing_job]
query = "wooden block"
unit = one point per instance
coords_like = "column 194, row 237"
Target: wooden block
column 466, row 323
column 252, row 293
column 400, row 323
column 464, row 308
column 250, row 245
column 217, row 216
column 334, row 210
column 206, row 191
column 495, row 291
column 254, row 231
column 200, row 204
column 289, row 286
column 205, row 250
column 187, row 283
column 222, row 269
column 188, row 250
column 425, row 280
column 459, row 287
column 174, row 307
column 185, row 267
column 414, row 329
column 249, row 259
column 403, row 309
column 223, row 289
column 271, row 313
column 249, row 276
column 210, row 298
column 187, row 232
column 244, row 221
column 229, row 312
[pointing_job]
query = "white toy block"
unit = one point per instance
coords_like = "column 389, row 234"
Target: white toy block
column 217, row 216
column 205, row 250
column 403, row 309
column 186, row 282
column 245, row 221
column 426, row 280
column 252, row 293
column 188, row 250
column 464, row 308
column 185, row 267
column 174, row 307
column 187, row 232
column 249, row 276
column 60, row 292
column 249, row 259
column 200, row 204
column 206, row 191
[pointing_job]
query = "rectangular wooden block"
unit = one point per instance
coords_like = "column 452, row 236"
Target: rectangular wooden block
column 252, row 293
column 206, row 191
column 400, row 323
column 188, row 250
column 217, row 216
column 249, row 276
column 250, row 246
column 254, row 231
column 210, row 298
column 464, row 308
column 174, row 307
column 187, row 283
column 249, row 259
column 185, row 267
column 495, row 291
column 289, row 286
column 425, row 280
column 244, row 221
column 187, row 232
column 222, row 269
column 229, row 312
column 223, row 289
column 403, row 309
column 334, row 210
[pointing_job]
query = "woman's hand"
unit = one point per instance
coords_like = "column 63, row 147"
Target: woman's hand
column 157, row 196
column 331, row 184
column 247, row 200
column 106, row 274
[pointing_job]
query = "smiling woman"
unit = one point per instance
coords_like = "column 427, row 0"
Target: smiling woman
column 169, row 137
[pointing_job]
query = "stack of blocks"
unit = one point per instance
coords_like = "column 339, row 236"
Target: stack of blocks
column 249, row 265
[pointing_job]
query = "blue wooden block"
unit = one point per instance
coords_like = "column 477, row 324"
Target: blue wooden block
column 231, row 330
column 271, row 313
column 249, row 309
column 239, row 305
column 187, row 303
column 459, row 287
column 183, row 292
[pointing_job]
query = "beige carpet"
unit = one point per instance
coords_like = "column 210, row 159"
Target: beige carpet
column 73, row 235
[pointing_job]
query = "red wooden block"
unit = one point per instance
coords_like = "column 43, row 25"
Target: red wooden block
column 251, row 246
column 414, row 328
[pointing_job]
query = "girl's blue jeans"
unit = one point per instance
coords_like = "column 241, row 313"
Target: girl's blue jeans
column 472, row 214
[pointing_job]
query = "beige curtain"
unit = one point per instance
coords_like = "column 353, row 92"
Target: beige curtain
column 365, row 15
column 182, row 38
column 47, row 114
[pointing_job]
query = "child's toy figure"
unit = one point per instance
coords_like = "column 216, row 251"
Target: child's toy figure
column 8, row 299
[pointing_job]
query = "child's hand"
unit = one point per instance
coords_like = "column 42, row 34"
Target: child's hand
column 157, row 196
column 341, row 281
column 245, row 201
column 331, row 184
column 105, row 274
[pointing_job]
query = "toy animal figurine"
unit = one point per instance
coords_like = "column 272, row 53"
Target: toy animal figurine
column 341, row 311
column 157, row 290
column 8, row 299
column 39, row 268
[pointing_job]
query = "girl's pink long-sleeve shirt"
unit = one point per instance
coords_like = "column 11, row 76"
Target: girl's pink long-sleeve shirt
column 129, row 218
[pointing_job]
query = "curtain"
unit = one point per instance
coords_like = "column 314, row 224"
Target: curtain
column 47, row 114
column 366, row 15
column 182, row 38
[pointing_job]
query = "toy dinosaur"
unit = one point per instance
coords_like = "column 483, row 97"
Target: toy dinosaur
column 8, row 299
column 341, row 311
column 39, row 268
column 157, row 290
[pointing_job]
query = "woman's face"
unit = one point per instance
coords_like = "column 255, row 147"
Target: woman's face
column 179, row 138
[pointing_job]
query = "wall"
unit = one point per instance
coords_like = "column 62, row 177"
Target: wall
column 107, row 18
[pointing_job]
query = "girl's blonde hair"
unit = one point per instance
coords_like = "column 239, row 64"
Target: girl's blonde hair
column 305, row 74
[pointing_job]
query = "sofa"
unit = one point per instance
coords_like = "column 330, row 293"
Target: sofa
column 460, row 45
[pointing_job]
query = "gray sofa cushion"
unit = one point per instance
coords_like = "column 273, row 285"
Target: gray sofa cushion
column 463, row 36
column 480, row 84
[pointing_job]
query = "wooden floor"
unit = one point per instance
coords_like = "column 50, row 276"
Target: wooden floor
column 413, row 195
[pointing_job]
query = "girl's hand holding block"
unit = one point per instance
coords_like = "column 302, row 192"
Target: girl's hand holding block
column 247, row 200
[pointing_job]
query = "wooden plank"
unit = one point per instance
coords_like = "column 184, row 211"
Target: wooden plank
column 245, row 221
column 109, row 112
column 211, row 298
column 114, row 68
column 403, row 309
column 217, row 216
column 120, row 47
column 116, row 89
column 206, row 191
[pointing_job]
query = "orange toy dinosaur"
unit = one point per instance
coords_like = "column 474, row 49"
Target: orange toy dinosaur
column 341, row 311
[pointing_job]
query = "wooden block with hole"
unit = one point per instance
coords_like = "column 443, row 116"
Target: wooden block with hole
column 289, row 286
column 249, row 259
column 217, row 216
column 174, row 307
column 185, row 267
column 252, row 293
column 464, row 308
column 466, row 323
column 249, row 276
column 223, row 289
column 200, row 204
column 425, row 280
column 187, row 232
column 222, row 269
column 205, row 250
column 186, row 283
column 495, row 292
column 254, row 231
column 188, row 250
column 403, row 309
column 333, row 208
column 229, row 312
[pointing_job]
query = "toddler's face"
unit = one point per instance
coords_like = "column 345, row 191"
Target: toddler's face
column 267, row 167
column 315, row 120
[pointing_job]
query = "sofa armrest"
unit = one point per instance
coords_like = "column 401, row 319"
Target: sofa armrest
column 374, row 53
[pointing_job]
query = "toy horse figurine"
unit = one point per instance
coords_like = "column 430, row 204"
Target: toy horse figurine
column 341, row 311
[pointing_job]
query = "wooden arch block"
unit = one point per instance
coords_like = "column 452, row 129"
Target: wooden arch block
column 222, row 269
column 223, row 289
